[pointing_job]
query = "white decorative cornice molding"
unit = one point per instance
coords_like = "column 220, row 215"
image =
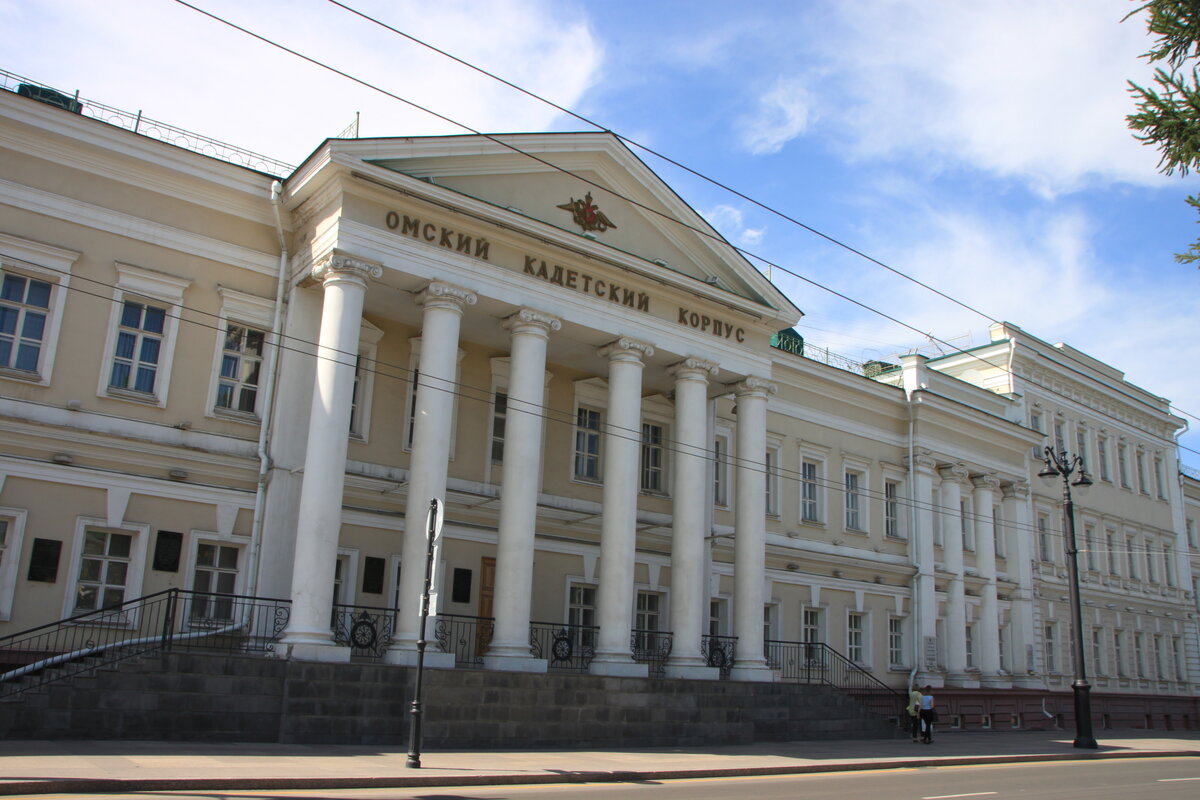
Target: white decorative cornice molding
column 338, row 266
column 446, row 295
column 751, row 385
column 528, row 320
column 626, row 349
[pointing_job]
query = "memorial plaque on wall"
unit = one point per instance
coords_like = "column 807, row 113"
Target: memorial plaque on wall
column 167, row 548
column 43, row 561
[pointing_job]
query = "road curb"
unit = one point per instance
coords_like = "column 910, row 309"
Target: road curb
column 114, row 785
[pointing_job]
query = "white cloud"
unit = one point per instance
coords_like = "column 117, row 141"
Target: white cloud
column 731, row 223
column 1029, row 89
column 782, row 113
column 185, row 69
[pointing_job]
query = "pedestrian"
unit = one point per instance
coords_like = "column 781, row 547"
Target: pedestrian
column 928, row 715
column 914, row 712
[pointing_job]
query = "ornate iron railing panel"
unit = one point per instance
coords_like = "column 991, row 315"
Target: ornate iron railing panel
column 651, row 648
column 566, row 648
column 718, row 652
column 173, row 619
column 817, row 662
column 366, row 630
column 466, row 637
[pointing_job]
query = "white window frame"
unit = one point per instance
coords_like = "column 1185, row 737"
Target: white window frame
column 861, row 495
column 966, row 518
column 896, row 642
column 212, row 538
column 817, row 483
column 138, row 285
column 1160, row 484
column 590, row 394
column 1110, row 544
column 13, row 539
column 1102, row 458
column 1123, row 465
column 662, row 449
column 1089, row 546
column 771, row 468
column 410, row 408
column 137, row 561
column 858, row 639
column 364, row 382
column 1045, row 541
column 246, row 311
column 1050, row 648
column 44, row 263
column 721, row 463
column 893, row 519
column 1139, row 460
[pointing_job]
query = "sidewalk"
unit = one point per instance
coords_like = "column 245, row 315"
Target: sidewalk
column 44, row 767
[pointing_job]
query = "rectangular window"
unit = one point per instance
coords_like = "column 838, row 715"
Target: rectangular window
column 1160, row 485
column 1160, row 665
column 1110, row 543
column 1102, row 457
column 581, row 614
column 411, row 427
column 653, row 454
column 721, row 471
column 1081, row 447
column 854, row 501
column 1123, row 465
column 1097, row 651
column 1051, row 650
column 1140, row 461
column 1045, row 549
column 356, row 397
column 1119, row 653
column 24, row 311
column 896, row 641
column 216, row 572
column 241, row 363
column 716, row 617
column 646, row 621
column 966, row 523
column 969, row 632
column 1089, row 544
column 1177, row 659
column 1169, row 564
column 1151, row 567
column 854, row 638
column 1131, row 549
column 587, row 444
column 139, row 344
column 1139, row 654
column 772, row 480
column 811, row 630
column 891, row 511
column 499, row 418
column 1060, row 437
column 1035, row 421
column 998, row 532
column 810, row 474
column 103, row 570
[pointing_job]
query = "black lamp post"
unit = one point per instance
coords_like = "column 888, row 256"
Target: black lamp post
column 414, row 734
column 1061, row 465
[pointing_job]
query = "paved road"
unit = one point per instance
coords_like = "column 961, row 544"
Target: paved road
column 1125, row 779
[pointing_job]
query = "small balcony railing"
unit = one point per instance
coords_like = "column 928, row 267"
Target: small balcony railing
column 718, row 652
column 566, row 648
column 651, row 648
column 466, row 637
column 366, row 630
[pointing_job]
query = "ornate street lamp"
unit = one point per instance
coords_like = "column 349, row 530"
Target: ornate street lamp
column 1061, row 465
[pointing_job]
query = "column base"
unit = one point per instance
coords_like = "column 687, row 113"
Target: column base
column 697, row 671
column 756, row 671
column 329, row 653
column 502, row 662
column 404, row 657
column 618, row 666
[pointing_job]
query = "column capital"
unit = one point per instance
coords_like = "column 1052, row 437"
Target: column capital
column 922, row 461
column 445, row 295
column 954, row 473
column 341, row 266
column 626, row 349
column 985, row 481
column 528, row 320
column 751, row 386
column 1018, row 490
column 692, row 368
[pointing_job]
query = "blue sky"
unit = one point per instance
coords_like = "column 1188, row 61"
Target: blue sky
column 979, row 146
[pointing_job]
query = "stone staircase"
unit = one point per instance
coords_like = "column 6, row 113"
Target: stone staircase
column 215, row 697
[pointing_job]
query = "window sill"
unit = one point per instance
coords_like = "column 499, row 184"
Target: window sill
column 23, row 376
column 236, row 416
column 133, row 396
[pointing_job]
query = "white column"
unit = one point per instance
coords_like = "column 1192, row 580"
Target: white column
column 689, row 578
column 750, row 530
column 922, row 471
column 436, row 385
column 308, row 635
column 1015, row 511
column 985, row 563
column 618, row 530
column 952, row 552
column 509, row 649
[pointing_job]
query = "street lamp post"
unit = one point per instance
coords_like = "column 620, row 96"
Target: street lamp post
column 1059, row 464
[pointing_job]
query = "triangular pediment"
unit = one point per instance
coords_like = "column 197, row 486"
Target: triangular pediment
column 587, row 184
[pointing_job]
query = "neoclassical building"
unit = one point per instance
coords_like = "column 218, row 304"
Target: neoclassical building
column 251, row 380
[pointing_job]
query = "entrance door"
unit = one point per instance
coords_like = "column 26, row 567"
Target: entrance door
column 487, row 587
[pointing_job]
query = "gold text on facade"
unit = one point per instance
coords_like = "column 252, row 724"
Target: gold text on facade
column 707, row 324
column 582, row 282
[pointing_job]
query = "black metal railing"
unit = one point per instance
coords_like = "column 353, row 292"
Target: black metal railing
column 718, row 652
column 366, row 630
column 817, row 662
column 170, row 620
column 466, row 637
column 566, row 648
column 651, row 648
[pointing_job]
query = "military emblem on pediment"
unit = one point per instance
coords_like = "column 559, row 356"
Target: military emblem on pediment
column 587, row 214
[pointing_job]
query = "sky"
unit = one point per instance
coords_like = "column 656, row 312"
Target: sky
column 979, row 147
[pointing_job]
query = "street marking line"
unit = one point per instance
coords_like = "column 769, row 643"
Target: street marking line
column 1173, row 780
column 947, row 796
